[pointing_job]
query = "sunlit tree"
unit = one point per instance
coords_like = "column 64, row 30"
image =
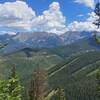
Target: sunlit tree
column 59, row 94
column 11, row 89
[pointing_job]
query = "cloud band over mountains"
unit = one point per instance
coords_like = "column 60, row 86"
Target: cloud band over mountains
column 19, row 16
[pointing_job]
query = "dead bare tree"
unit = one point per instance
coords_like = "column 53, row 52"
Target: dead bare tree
column 38, row 84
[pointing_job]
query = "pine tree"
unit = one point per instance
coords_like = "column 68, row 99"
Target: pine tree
column 98, row 83
column 3, row 90
column 11, row 89
column 38, row 85
column 14, row 86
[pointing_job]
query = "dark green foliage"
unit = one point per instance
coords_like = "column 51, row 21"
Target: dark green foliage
column 14, row 86
column 4, row 90
column 77, row 76
column 11, row 89
column 98, row 82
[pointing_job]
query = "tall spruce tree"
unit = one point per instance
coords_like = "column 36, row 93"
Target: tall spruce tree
column 98, row 82
column 14, row 86
column 3, row 90
column 11, row 89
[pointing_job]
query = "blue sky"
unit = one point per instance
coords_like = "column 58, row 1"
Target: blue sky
column 37, row 15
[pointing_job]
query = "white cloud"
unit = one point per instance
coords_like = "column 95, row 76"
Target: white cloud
column 19, row 16
column 88, row 3
column 52, row 20
column 81, row 15
column 81, row 26
column 15, row 15
column 86, row 25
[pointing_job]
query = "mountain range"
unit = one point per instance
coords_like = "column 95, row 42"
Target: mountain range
column 39, row 40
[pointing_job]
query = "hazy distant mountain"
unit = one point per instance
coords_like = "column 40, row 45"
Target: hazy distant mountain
column 44, row 38
column 5, row 38
column 39, row 40
column 70, row 37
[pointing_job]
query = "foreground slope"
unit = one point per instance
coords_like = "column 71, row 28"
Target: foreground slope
column 72, row 67
column 77, row 76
